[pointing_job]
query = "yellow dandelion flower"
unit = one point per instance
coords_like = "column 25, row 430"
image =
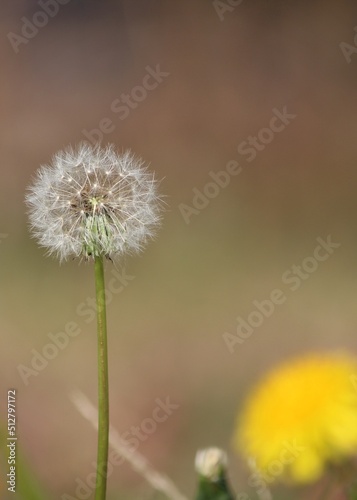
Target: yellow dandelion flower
column 301, row 417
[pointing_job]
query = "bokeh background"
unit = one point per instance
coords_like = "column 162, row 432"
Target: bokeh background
column 226, row 75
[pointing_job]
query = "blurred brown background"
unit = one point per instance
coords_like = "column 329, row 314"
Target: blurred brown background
column 226, row 75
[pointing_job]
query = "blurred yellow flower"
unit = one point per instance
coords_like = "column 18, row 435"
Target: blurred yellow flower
column 301, row 417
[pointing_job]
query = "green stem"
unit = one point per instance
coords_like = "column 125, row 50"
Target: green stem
column 103, row 392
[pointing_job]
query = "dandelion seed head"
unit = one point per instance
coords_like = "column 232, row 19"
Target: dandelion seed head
column 93, row 201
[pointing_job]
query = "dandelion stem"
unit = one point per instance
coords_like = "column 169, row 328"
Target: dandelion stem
column 103, row 392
